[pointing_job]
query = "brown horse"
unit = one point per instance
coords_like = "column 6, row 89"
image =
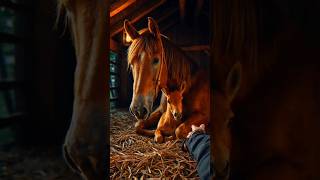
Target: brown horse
column 170, row 120
column 157, row 63
column 85, row 146
column 275, row 130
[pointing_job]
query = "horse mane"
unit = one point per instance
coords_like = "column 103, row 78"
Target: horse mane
column 180, row 66
column 241, row 37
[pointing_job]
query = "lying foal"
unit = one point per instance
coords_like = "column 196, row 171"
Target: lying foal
column 171, row 119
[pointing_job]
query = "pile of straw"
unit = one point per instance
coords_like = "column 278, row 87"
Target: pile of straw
column 136, row 157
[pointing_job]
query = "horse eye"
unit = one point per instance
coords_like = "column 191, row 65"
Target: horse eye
column 155, row 61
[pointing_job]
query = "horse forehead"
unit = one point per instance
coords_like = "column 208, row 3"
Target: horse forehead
column 175, row 96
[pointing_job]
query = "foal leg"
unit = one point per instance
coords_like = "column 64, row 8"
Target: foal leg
column 170, row 138
column 158, row 136
column 142, row 126
column 195, row 119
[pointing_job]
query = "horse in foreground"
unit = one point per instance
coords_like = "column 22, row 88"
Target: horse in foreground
column 85, row 148
column 275, row 126
column 157, row 63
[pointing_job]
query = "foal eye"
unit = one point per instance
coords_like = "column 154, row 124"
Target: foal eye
column 155, row 61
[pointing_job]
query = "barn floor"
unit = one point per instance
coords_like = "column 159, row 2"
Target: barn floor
column 33, row 164
column 134, row 156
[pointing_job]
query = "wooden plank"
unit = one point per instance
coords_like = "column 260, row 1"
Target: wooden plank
column 114, row 46
column 164, row 26
column 168, row 13
column 120, row 6
column 196, row 48
column 115, row 29
column 182, row 6
column 9, row 120
column 133, row 8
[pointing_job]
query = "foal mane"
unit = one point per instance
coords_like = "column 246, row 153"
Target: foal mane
column 180, row 67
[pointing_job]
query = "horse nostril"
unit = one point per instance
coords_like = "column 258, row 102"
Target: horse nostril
column 225, row 172
column 130, row 110
column 177, row 115
column 144, row 111
column 141, row 112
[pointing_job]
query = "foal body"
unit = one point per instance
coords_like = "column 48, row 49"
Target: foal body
column 166, row 126
column 171, row 119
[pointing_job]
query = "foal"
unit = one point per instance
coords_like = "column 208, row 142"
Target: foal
column 171, row 119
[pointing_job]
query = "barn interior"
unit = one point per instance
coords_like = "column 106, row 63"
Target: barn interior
column 37, row 64
column 36, row 90
column 187, row 24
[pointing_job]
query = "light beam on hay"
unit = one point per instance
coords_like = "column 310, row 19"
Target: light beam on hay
column 134, row 156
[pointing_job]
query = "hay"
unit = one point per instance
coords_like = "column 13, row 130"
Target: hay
column 137, row 157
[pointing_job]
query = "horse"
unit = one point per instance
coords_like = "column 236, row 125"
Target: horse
column 170, row 120
column 157, row 63
column 269, row 123
column 85, row 147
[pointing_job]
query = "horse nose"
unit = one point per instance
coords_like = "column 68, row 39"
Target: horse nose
column 224, row 173
column 177, row 115
column 131, row 110
column 140, row 112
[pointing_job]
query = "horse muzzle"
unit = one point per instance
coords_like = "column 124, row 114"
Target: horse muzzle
column 222, row 173
column 177, row 116
column 140, row 112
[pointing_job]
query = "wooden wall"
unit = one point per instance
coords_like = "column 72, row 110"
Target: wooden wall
column 48, row 75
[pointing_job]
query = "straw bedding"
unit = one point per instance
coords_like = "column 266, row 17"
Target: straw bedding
column 136, row 157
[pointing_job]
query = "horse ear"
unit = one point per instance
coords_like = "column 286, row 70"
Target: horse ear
column 153, row 27
column 165, row 91
column 233, row 81
column 129, row 33
column 183, row 87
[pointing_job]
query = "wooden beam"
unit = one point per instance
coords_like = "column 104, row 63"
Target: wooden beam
column 199, row 7
column 120, row 6
column 114, row 46
column 182, row 6
column 196, row 48
column 167, row 14
column 115, row 29
column 166, row 26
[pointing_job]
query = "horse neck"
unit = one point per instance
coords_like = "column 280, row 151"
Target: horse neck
column 177, row 54
column 90, row 84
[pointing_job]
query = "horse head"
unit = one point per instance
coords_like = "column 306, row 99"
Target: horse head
column 222, row 100
column 148, row 69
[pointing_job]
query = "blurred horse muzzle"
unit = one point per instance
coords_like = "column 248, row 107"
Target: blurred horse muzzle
column 223, row 173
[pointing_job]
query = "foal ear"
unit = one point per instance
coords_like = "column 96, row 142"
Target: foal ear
column 183, row 87
column 129, row 33
column 153, row 27
column 233, row 81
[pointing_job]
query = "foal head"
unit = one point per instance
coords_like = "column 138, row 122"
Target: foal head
column 174, row 100
column 220, row 127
